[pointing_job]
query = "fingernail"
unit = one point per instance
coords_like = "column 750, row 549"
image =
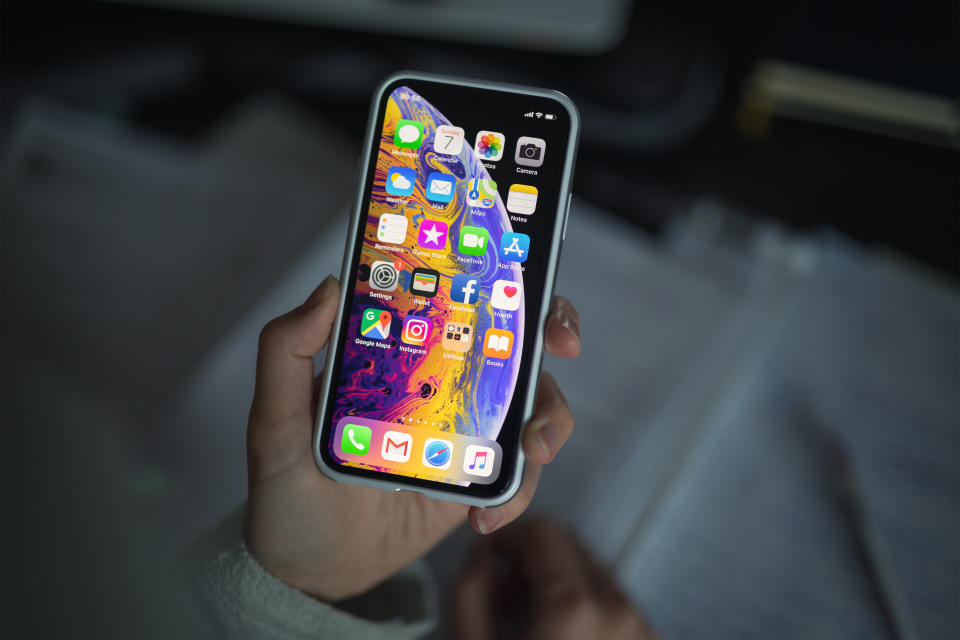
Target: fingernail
column 570, row 324
column 326, row 287
column 489, row 519
column 549, row 438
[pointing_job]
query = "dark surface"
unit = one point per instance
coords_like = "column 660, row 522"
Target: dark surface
column 659, row 127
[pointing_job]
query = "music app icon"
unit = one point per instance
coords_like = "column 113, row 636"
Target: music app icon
column 478, row 460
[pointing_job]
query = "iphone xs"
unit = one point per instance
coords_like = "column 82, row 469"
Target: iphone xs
column 447, row 280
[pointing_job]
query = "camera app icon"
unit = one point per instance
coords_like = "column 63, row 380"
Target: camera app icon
column 415, row 330
column 530, row 151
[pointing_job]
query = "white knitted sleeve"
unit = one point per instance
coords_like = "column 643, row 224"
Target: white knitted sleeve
column 247, row 602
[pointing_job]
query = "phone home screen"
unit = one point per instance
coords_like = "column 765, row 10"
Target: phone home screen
column 435, row 346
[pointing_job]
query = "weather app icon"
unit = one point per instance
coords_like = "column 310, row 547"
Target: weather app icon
column 400, row 181
column 514, row 247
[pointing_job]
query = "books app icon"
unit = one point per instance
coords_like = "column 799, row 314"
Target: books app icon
column 498, row 343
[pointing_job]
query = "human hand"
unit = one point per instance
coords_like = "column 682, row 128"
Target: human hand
column 335, row 540
column 537, row 572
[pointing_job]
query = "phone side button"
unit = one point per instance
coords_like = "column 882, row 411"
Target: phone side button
column 566, row 217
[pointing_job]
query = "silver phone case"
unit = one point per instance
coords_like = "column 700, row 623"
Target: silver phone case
column 563, row 210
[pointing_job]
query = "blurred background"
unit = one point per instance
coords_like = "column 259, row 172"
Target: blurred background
column 765, row 207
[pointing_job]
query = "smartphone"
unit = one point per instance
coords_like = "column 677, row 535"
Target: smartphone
column 447, row 280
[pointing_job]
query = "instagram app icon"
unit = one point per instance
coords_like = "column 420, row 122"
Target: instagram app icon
column 415, row 330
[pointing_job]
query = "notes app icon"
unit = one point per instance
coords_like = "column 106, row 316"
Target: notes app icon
column 522, row 199
column 478, row 461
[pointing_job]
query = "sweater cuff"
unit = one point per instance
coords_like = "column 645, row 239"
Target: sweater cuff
column 248, row 602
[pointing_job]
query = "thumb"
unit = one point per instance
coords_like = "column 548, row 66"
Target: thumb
column 283, row 395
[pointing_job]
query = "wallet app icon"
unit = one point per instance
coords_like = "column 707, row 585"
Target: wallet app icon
column 396, row 446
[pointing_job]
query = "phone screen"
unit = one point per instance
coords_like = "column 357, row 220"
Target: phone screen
column 458, row 216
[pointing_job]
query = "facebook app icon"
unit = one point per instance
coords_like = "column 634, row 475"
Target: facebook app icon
column 465, row 289
column 514, row 247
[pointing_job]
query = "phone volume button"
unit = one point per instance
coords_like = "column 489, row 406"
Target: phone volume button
column 566, row 216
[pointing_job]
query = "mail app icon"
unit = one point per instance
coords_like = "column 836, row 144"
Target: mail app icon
column 396, row 446
column 440, row 186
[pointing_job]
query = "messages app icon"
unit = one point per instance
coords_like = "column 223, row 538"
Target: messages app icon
column 409, row 134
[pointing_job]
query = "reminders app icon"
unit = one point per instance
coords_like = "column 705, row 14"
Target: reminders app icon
column 396, row 446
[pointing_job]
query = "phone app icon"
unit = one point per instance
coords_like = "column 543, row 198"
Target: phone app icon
column 424, row 282
column 514, row 247
column 506, row 295
column 392, row 228
column 457, row 337
column 448, row 140
column 437, row 453
column 498, row 343
column 433, row 234
column 465, row 288
column 440, row 186
column 522, row 199
column 478, row 460
column 530, row 151
column 375, row 323
column 400, row 181
column 481, row 193
column 415, row 330
column 409, row 134
column 489, row 145
column 384, row 276
column 355, row 439
column 474, row 241
column 397, row 446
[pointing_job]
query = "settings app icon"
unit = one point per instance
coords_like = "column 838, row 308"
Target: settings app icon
column 384, row 276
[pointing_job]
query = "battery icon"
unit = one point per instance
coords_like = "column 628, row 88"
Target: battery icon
column 549, row 116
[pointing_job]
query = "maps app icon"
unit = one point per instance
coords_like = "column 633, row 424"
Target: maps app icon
column 375, row 324
column 481, row 193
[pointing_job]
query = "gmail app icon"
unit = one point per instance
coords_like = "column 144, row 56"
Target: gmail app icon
column 396, row 446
